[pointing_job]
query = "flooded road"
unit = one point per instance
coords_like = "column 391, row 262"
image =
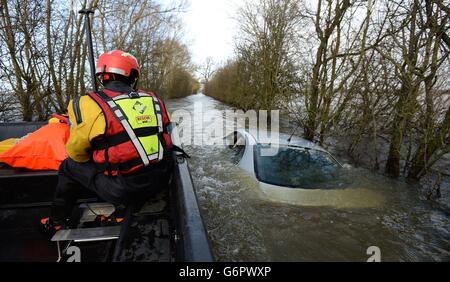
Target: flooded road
column 243, row 226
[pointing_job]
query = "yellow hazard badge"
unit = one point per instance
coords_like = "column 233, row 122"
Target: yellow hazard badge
column 143, row 119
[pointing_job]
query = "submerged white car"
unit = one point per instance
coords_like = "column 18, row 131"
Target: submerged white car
column 296, row 171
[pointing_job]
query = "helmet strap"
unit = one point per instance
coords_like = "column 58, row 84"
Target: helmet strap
column 136, row 83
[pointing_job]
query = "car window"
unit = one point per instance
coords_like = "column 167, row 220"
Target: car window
column 297, row 168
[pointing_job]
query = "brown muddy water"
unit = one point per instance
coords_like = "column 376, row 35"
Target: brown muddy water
column 244, row 226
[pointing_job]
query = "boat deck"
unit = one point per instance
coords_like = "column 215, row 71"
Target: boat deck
column 145, row 236
column 24, row 242
column 168, row 227
column 25, row 197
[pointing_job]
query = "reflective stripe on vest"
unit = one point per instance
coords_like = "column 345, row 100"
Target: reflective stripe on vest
column 134, row 111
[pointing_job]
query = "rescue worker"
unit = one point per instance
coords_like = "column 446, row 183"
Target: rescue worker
column 119, row 142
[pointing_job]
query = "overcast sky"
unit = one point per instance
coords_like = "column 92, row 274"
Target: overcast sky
column 210, row 28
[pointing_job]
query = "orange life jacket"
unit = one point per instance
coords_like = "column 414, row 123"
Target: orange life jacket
column 43, row 149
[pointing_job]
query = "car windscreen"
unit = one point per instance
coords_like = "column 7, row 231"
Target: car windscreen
column 297, row 167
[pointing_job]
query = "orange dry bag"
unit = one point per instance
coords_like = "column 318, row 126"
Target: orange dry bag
column 43, row 149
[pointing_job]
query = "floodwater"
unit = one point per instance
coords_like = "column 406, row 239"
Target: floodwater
column 245, row 226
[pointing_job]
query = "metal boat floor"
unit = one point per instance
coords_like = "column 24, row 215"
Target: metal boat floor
column 156, row 204
column 24, row 241
column 147, row 240
column 147, row 236
column 21, row 239
column 88, row 234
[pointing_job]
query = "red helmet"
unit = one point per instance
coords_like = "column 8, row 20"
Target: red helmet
column 117, row 62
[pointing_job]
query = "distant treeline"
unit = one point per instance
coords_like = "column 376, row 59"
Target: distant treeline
column 376, row 73
column 44, row 55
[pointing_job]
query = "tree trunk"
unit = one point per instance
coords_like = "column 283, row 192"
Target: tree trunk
column 401, row 120
column 425, row 151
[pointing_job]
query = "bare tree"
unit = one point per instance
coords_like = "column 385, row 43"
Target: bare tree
column 414, row 52
column 373, row 73
column 207, row 70
column 44, row 52
column 434, row 129
column 264, row 49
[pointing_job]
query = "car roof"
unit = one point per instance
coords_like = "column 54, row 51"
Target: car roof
column 296, row 141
